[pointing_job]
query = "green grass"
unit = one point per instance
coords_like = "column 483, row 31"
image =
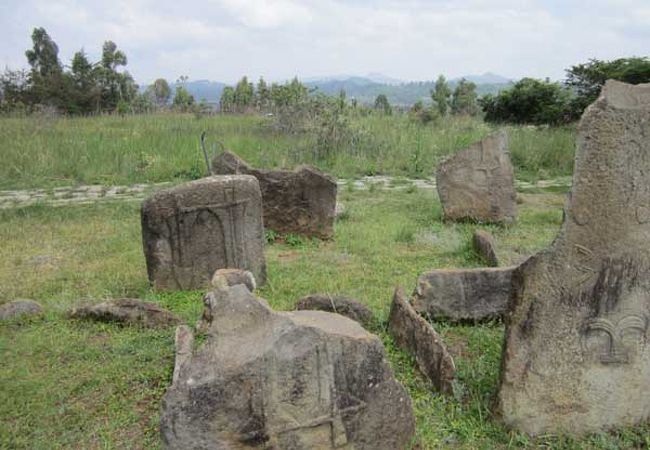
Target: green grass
column 56, row 151
column 73, row 384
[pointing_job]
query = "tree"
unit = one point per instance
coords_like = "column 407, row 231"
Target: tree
column 183, row 100
column 48, row 85
column 440, row 95
column 263, row 94
column 464, row 98
column 14, row 90
column 227, row 100
column 530, row 101
column 588, row 79
column 115, row 85
column 161, row 91
column 381, row 104
column 244, row 94
column 87, row 95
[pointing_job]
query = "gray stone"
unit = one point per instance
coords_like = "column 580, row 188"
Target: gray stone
column 127, row 311
column 464, row 294
column 484, row 246
column 190, row 231
column 223, row 278
column 576, row 357
column 416, row 336
column 292, row 380
column 477, row 183
column 338, row 304
column 301, row 201
column 19, row 308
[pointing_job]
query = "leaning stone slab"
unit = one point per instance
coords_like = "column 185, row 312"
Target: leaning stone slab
column 19, row 308
column 301, row 201
column 338, row 304
column 478, row 183
column 415, row 335
column 484, row 246
column 576, row 357
column 190, row 231
column 464, row 294
column 294, row 380
column 127, row 311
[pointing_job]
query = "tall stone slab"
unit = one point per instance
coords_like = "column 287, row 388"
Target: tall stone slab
column 190, row 231
column 302, row 201
column 576, row 357
column 297, row 380
column 478, row 183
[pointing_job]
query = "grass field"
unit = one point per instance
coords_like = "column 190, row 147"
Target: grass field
column 73, row 384
column 56, row 151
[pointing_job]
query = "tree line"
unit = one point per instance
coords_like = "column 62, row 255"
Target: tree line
column 86, row 87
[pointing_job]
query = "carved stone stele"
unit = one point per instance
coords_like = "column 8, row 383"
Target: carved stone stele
column 576, row 357
column 190, row 231
column 478, row 183
column 297, row 380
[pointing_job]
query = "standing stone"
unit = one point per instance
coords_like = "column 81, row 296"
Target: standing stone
column 301, row 201
column 295, row 380
column 416, row 336
column 484, row 246
column 576, row 357
column 190, row 231
column 464, row 294
column 478, row 183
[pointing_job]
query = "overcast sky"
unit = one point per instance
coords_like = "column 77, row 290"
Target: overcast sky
column 410, row 39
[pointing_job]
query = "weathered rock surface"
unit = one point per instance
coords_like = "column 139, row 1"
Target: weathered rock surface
column 127, row 311
column 464, row 294
column 576, row 357
column 223, row 278
column 345, row 306
column 190, row 231
column 19, row 308
column 415, row 335
column 478, row 183
column 301, row 201
column 293, row 380
column 483, row 244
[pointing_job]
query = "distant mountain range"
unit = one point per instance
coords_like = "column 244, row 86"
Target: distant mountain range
column 364, row 89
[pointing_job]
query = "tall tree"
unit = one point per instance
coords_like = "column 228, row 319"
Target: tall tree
column 115, row 86
column 381, row 104
column 587, row 79
column 87, row 94
column 464, row 98
column 161, row 91
column 48, row 84
column 227, row 100
column 263, row 94
column 440, row 95
column 244, row 94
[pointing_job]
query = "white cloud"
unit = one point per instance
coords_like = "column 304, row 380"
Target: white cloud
column 409, row 39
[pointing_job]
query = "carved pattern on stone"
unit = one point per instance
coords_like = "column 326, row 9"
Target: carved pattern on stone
column 621, row 337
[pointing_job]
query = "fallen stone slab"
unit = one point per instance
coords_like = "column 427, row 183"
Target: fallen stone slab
column 576, row 357
column 20, row 308
column 478, row 183
column 464, row 294
column 415, row 335
column 302, row 201
column 127, row 311
column 191, row 230
column 484, row 246
column 285, row 380
column 338, row 304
